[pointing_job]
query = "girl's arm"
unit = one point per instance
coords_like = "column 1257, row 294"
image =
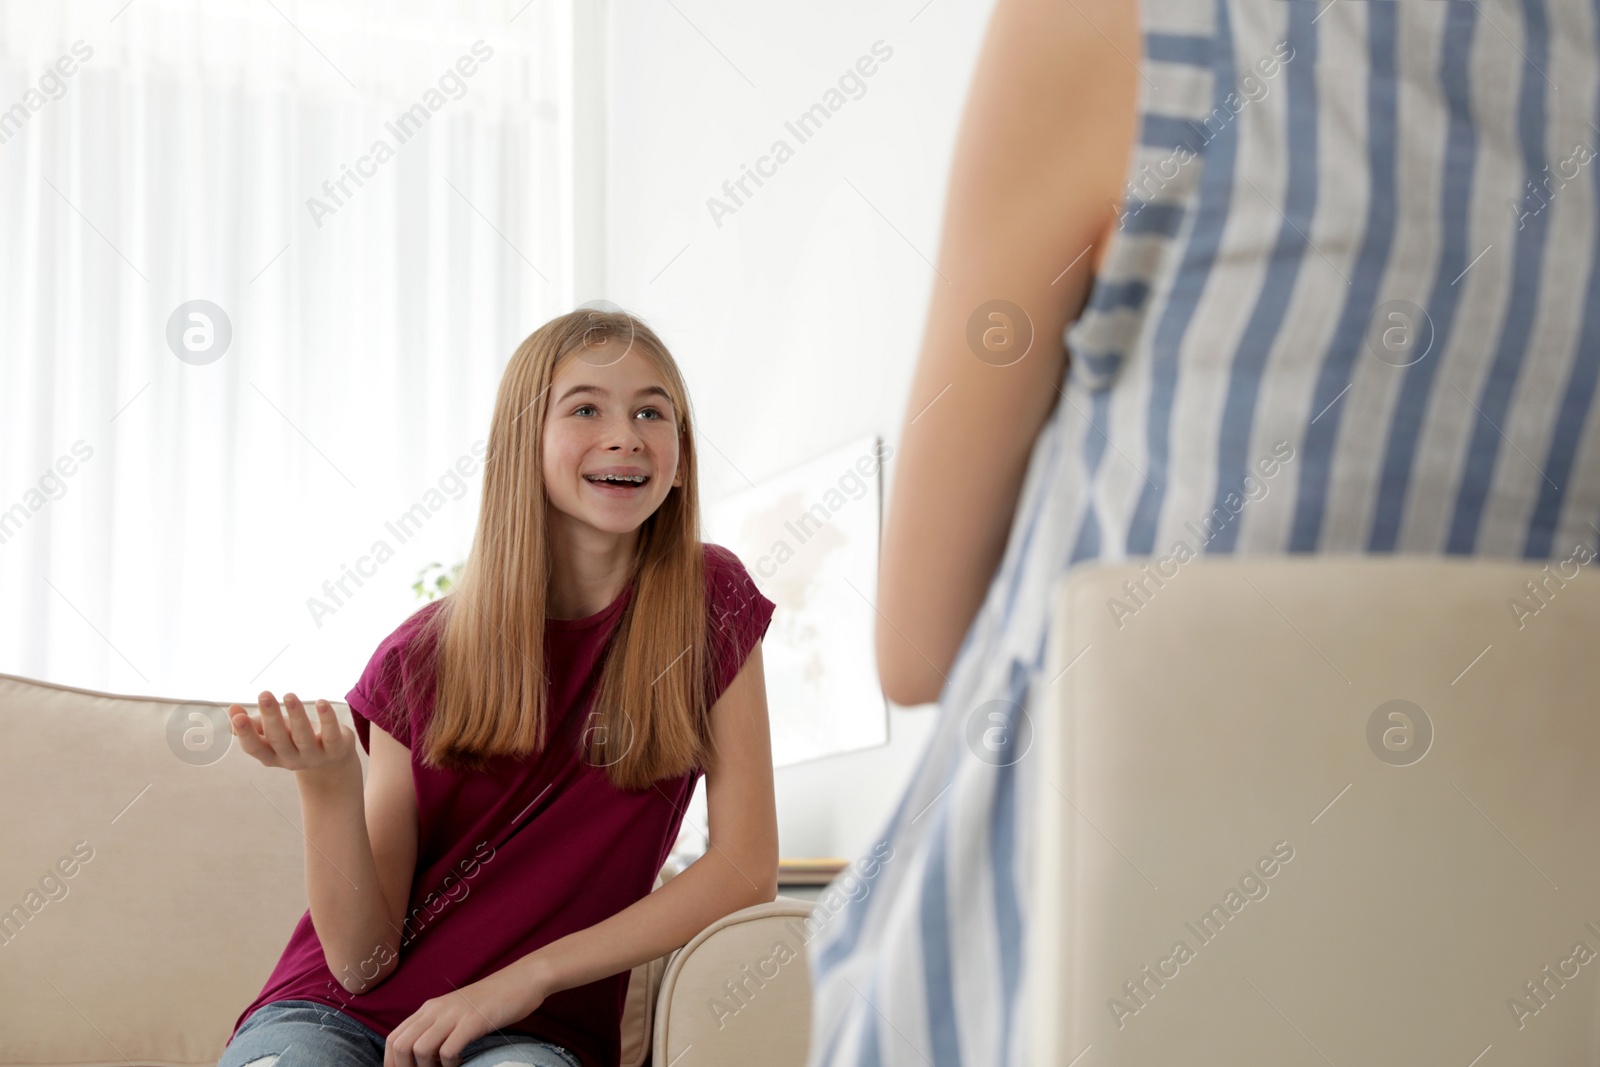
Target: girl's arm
column 371, row 843
column 1039, row 160
column 739, row 868
column 360, row 853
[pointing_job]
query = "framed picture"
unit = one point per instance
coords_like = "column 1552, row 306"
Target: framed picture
column 809, row 539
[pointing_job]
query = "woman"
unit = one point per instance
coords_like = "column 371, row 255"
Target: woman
column 1357, row 239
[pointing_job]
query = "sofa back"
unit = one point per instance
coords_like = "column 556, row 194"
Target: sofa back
column 152, row 874
column 1353, row 797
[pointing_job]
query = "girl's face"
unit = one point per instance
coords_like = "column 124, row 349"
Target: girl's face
column 610, row 413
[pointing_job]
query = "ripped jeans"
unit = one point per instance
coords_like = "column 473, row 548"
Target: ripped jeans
column 304, row 1033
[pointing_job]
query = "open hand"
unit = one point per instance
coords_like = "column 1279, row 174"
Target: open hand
column 294, row 745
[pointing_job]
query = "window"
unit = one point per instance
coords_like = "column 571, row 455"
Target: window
column 261, row 264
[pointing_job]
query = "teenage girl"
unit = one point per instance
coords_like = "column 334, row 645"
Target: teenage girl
column 534, row 738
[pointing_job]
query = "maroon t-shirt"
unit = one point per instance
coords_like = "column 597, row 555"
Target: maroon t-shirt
column 530, row 850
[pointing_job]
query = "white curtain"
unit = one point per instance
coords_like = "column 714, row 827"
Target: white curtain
column 169, row 521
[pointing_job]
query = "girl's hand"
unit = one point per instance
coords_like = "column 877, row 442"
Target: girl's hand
column 295, row 745
column 435, row 1034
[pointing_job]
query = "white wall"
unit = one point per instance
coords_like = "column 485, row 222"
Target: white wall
column 797, row 320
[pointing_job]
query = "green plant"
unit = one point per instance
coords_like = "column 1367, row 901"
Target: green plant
column 434, row 581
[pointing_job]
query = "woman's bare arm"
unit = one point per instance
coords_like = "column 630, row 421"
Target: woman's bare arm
column 1039, row 163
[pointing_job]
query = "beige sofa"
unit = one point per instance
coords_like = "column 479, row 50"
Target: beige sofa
column 147, row 887
column 1417, row 735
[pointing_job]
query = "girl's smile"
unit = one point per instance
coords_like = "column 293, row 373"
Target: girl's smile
column 618, row 481
column 611, row 445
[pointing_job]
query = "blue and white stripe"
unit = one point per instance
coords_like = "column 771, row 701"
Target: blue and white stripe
column 1389, row 159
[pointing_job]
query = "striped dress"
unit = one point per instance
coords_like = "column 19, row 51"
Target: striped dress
column 1353, row 306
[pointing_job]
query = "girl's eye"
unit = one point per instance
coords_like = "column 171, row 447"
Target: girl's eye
column 581, row 408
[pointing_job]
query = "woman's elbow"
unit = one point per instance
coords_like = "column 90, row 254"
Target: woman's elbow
column 905, row 674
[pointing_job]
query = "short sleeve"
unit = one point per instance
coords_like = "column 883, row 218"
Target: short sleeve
column 376, row 697
column 739, row 615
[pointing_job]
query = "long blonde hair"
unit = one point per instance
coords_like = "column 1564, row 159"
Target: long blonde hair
column 648, row 719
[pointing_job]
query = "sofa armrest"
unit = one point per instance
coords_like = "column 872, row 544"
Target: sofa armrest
column 740, row 991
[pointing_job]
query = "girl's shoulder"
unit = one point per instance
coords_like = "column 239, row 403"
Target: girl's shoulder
column 379, row 694
column 738, row 612
column 727, row 580
column 720, row 560
column 404, row 635
column 398, row 651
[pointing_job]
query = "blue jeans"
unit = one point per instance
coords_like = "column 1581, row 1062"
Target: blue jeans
column 304, row 1033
